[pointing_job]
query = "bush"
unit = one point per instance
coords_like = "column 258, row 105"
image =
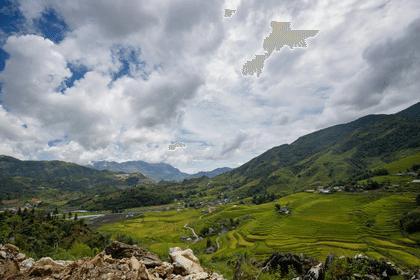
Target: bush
column 79, row 250
column 410, row 222
column 380, row 172
column 39, row 234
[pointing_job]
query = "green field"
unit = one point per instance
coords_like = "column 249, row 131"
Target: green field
column 341, row 223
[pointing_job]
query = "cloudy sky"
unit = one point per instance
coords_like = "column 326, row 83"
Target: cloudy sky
column 122, row 80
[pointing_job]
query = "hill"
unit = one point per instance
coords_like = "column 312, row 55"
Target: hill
column 156, row 171
column 19, row 179
column 210, row 174
column 333, row 155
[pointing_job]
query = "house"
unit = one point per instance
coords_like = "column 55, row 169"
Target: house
column 284, row 210
column 324, row 191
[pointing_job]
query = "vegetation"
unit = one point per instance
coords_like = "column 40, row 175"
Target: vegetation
column 354, row 151
column 23, row 179
column 40, row 233
column 341, row 223
column 410, row 222
column 123, row 199
column 374, row 209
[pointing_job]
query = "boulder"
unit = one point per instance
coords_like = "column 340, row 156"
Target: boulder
column 45, row 267
column 184, row 261
column 129, row 263
column 315, row 273
column 27, row 264
column 9, row 251
column 8, row 269
column 120, row 250
column 285, row 261
column 164, row 270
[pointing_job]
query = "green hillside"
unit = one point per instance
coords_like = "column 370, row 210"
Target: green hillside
column 21, row 179
column 342, row 223
column 334, row 155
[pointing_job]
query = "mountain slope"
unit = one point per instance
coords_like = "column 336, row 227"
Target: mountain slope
column 334, row 154
column 210, row 174
column 155, row 171
column 20, row 178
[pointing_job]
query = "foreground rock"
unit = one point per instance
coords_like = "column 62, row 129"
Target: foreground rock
column 118, row 261
column 357, row 267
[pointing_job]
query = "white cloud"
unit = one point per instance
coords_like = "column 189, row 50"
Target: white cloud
column 189, row 87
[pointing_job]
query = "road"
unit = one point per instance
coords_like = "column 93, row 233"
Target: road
column 193, row 232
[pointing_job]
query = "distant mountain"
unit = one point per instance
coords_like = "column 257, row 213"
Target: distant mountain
column 335, row 154
column 212, row 173
column 155, row 171
column 20, row 178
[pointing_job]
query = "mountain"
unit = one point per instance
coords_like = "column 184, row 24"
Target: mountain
column 335, row 154
column 210, row 174
column 20, row 178
column 155, row 171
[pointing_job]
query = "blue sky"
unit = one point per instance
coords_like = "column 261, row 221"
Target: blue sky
column 121, row 80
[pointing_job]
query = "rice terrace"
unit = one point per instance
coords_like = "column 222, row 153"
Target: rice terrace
column 319, row 224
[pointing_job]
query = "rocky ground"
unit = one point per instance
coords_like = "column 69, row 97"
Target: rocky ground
column 118, row 261
column 357, row 267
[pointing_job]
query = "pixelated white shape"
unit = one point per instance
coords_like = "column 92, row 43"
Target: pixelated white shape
column 174, row 146
column 281, row 35
column 255, row 65
column 229, row 12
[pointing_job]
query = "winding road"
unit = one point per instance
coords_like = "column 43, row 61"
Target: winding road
column 217, row 242
column 193, row 232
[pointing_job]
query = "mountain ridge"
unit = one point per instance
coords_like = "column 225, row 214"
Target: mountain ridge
column 156, row 171
column 334, row 153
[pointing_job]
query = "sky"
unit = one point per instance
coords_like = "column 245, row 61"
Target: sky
column 121, row 80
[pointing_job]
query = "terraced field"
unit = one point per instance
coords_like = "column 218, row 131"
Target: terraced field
column 342, row 223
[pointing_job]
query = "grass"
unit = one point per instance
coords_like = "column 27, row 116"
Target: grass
column 403, row 164
column 341, row 223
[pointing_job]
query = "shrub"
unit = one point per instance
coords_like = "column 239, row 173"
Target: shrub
column 410, row 222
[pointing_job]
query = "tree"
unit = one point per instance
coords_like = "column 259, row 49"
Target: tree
column 75, row 216
column 208, row 243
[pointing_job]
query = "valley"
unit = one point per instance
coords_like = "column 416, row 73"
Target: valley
column 347, row 190
column 317, row 226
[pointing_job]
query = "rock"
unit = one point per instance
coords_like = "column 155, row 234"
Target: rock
column 197, row 276
column 8, row 269
column 120, row 250
column 360, row 257
column 27, row 263
column 284, row 262
column 9, row 251
column 211, row 250
column 184, row 261
column 315, row 273
column 328, row 261
column 164, row 270
column 3, row 255
column 130, row 263
column 45, row 267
